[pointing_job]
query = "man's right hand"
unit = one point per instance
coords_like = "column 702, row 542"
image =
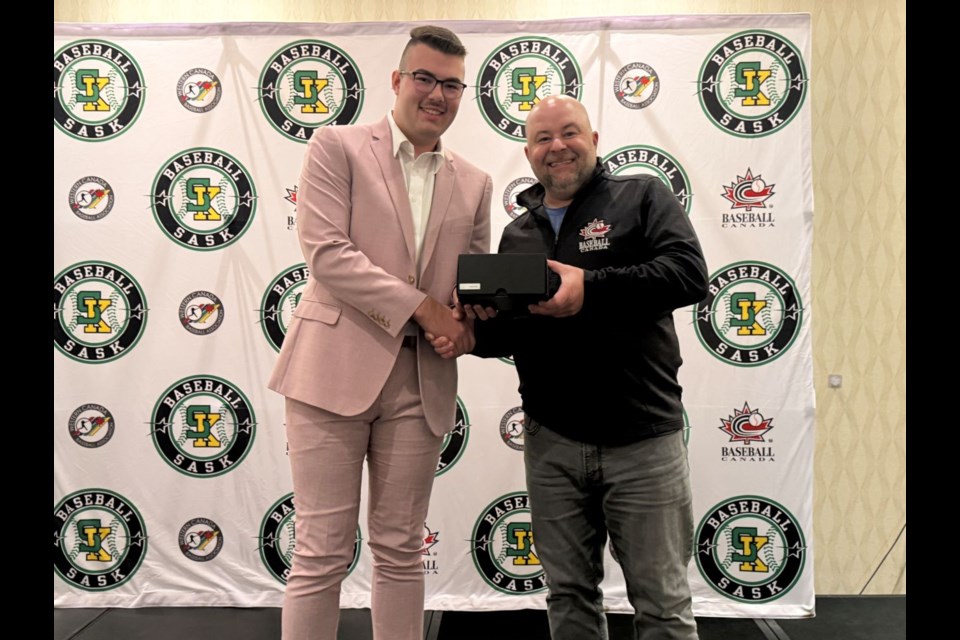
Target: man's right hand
column 472, row 311
column 439, row 320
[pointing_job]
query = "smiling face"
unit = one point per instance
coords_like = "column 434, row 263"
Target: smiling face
column 423, row 117
column 561, row 147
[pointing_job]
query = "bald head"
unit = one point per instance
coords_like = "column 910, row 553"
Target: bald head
column 561, row 147
column 553, row 107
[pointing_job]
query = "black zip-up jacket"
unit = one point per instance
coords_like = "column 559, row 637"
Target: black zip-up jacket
column 608, row 374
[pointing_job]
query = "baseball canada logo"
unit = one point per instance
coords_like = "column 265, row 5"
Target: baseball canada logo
column 455, row 442
column 203, row 426
column 750, row 549
column 747, row 428
column 91, row 425
column 199, row 90
column 278, row 539
column 203, row 199
column 751, row 315
column 308, row 84
column 91, row 198
column 520, row 73
column 753, row 83
column 510, row 194
column 503, row 548
column 99, row 312
column 99, row 539
column 636, row 85
column 511, row 428
column 594, row 236
column 291, row 197
column 279, row 302
column 644, row 159
column 748, row 193
column 430, row 539
column 201, row 540
column 98, row 90
column 201, row 313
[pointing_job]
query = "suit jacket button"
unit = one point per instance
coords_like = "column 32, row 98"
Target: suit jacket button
column 411, row 279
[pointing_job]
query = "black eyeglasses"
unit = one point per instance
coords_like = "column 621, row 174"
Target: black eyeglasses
column 424, row 82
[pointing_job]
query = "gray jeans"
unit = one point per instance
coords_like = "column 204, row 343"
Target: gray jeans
column 638, row 493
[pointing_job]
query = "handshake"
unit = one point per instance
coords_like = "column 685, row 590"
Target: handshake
column 450, row 329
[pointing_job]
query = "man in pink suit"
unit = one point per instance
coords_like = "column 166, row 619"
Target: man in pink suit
column 383, row 212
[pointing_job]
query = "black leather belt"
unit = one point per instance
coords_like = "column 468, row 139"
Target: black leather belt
column 409, row 342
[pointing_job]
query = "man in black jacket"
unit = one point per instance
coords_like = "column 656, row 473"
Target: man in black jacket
column 603, row 447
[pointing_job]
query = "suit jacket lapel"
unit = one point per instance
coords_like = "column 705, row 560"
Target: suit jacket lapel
column 382, row 145
column 443, row 186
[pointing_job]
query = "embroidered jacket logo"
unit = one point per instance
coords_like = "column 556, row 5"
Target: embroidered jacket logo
column 594, row 236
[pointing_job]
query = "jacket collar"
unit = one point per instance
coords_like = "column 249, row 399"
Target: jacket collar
column 443, row 189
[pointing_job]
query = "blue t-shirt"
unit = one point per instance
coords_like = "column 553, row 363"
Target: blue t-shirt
column 556, row 217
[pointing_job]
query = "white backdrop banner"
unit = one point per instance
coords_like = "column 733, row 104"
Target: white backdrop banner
column 176, row 270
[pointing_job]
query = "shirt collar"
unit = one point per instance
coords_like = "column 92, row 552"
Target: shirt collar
column 402, row 144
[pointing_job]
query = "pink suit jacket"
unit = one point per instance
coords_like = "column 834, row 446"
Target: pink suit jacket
column 356, row 232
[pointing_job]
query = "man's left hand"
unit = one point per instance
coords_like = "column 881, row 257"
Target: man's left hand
column 568, row 300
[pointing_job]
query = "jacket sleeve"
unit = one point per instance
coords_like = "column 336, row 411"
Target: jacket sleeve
column 672, row 273
column 323, row 222
column 480, row 239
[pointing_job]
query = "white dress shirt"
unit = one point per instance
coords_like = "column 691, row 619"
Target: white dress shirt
column 419, row 174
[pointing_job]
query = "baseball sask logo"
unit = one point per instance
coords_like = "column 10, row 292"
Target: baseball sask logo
column 455, row 442
column 203, row 199
column 99, row 539
column 511, row 428
column 308, row 84
column 520, row 73
column 751, row 315
column 750, row 549
column 199, row 90
column 91, row 198
column 201, row 540
column 503, row 548
column 201, row 313
column 278, row 538
column 636, row 85
column 594, row 236
column 98, row 90
column 510, row 194
column 747, row 428
column 753, row 83
column 203, row 426
column 279, row 302
column 748, row 193
column 430, row 539
column 99, row 312
column 508, row 360
column 91, row 425
column 644, row 159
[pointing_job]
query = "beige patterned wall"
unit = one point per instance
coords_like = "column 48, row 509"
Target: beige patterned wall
column 859, row 269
